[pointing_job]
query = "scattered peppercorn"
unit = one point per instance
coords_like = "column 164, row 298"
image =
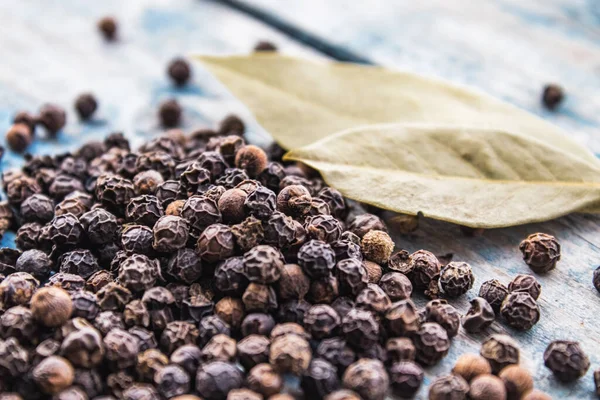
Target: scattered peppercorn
column 541, row 252
column 596, row 279
column 552, row 96
column 566, row 360
column 108, row 28
column 500, row 351
column 169, row 113
column 19, row 137
column 448, row 387
column 520, row 310
column 53, row 118
column 456, row 278
column 265, row 45
column 86, row 105
column 527, row 284
column 487, row 387
column 179, row 71
column 479, row 317
column 517, row 381
column 494, row 292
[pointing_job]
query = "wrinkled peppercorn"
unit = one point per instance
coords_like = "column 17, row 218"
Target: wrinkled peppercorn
column 83, row 348
column 494, row 292
column 402, row 318
column 320, row 379
column 377, row 246
column 215, row 379
column 456, row 279
column 321, row 321
column 479, row 317
column 253, row 350
column 445, row 315
column 360, row 328
column 527, row 284
column 448, row 387
column 423, row 268
column 500, row 351
column 596, row 279
column 431, row 342
column 79, row 262
column 316, row 258
column 352, row 276
column 406, row 378
column 260, row 203
column 263, row 379
column 367, row 378
column 290, row 353
column 374, row 299
column 216, row 243
column 517, row 381
column 177, row 334
column 396, row 285
column 18, row 322
column 566, row 360
column 34, row 262
column 541, row 252
column 364, row 223
column 552, row 96
column 138, row 273
column 85, row 305
column 520, row 310
column 170, row 234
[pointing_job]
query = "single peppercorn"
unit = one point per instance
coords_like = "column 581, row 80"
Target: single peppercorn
column 444, row 314
column 487, row 387
column 69, row 282
column 374, row 271
column 85, row 305
column 252, row 159
column 424, row 267
column 566, row 360
column 432, row 343
column 53, row 374
column 517, row 381
column 37, row 208
column 51, row 306
column 14, row 359
column 320, row 379
column 100, row 226
column 83, row 348
column 18, row 322
column 34, row 262
column 479, row 317
column 293, row 283
column 400, row 349
column 169, row 113
column 367, row 378
column 500, row 351
column 448, row 387
column 541, row 252
column 138, row 273
column 265, row 45
column 86, row 105
column 402, row 318
column 323, row 290
column 294, row 200
column 352, row 276
column 79, row 262
column 253, row 350
column 520, row 310
column 260, row 203
column 406, row 378
column 52, row 117
column 494, row 292
column 552, row 96
column 527, row 284
column 321, row 321
column 456, row 279
column 263, row 379
column 19, row 137
column 108, row 28
column 364, row 223
column 396, row 285
column 323, row 227
column 179, row 71
column 217, row 378
column 374, row 299
column 377, row 246
column 216, row 243
column 170, row 234
column 316, row 258
column 231, row 205
column 290, row 353
column 470, row 366
column 597, row 381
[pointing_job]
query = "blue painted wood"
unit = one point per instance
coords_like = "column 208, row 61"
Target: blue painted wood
column 52, row 53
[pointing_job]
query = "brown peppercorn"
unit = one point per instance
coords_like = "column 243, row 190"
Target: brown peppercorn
column 214, row 380
column 444, row 314
column 400, row 349
column 231, row 205
column 216, row 243
column 470, row 366
column 179, row 71
column 324, row 227
column 552, row 96
column 323, row 290
column 17, row 322
column 53, row 374
column 487, row 387
column 121, row 348
column 18, row 137
column 321, row 321
column 364, row 223
column 374, row 271
column 520, row 311
column 541, row 252
column 86, row 105
column 342, row 394
column 263, row 264
column 83, row 347
column 146, row 182
column 174, row 208
column 367, row 378
column 422, row 267
column 108, row 28
column 406, row 378
column 517, row 381
column 448, row 387
column 596, row 279
column 169, row 113
column 252, row 159
column 243, row 394
column 479, row 317
column 432, row 343
column 402, row 318
column 374, row 299
column 294, row 200
column 53, row 118
column 377, row 246
column 265, row 45
column 290, row 353
column 220, row 348
column 494, row 292
column 536, row 395
column 456, row 279
column 231, row 311
column 52, row 306
column 259, row 297
column 149, row 362
column 265, row 380
column 293, row 283
column 500, row 351
column 396, row 285
column 253, row 350
column 527, row 284
column 566, row 360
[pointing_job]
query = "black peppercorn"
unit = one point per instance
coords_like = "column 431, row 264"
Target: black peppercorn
column 552, row 96
column 364, row 223
column 177, row 334
column 448, row 387
column 184, row 265
column 137, row 239
column 321, row 321
column 396, row 285
column 83, row 348
column 18, row 322
column 138, row 273
column 169, row 113
column 86, row 105
column 323, row 290
column 79, row 262
column 21, row 188
column 402, row 318
column 113, row 296
column 259, row 297
column 290, row 353
column 108, row 28
column 280, row 230
column 541, row 252
column 527, row 284
column 352, row 276
column 320, row 379
column 189, row 357
column 406, row 378
column 148, row 363
column 100, row 226
column 432, row 343
column 293, row 283
column 494, row 292
column 107, row 321
column 37, row 208
column 479, row 317
column 520, row 310
column 248, row 234
column 596, row 279
column 294, row 200
column 263, row 379
column 145, row 210
column 360, row 328
column 445, row 315
column 566, row 360
column 217, row 378
column 316, row 258
column 172, row 380
column 500, row 351
column 253, row 350
column 170, row 234
column 69, row 282
column 216, row 243
column 28, row 236
column 200, row 212
column 52, row 117
column 85, row 305
column 374, row 299
column 368, row 378
column 263, row 264
column 14, row 359
column 34, row 262
column 53, row 374
column 231, row 205
column 456, row 279
column 260, row 203
column 179, row 71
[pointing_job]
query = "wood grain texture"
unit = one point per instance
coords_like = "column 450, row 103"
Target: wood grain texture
column 52, row 52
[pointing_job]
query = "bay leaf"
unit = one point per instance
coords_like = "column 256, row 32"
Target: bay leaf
column 481, row 178
column 300, row 101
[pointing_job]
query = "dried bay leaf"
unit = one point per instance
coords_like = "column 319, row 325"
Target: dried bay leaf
column 301, row 101
column 481, row 178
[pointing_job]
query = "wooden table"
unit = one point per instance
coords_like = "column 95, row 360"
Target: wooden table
column 509, row 48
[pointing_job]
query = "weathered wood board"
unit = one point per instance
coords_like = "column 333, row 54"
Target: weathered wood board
column 510, row 49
